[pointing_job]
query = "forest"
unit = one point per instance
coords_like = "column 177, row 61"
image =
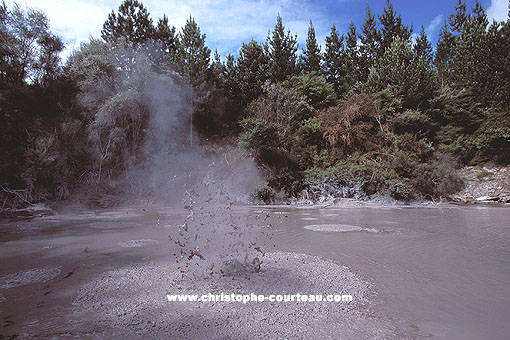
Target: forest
column 377, row 112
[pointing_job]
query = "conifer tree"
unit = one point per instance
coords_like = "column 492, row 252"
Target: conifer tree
column 334, row 62
column 370, row 38
column 193, row 58
column 458, row 19
column 310, row 60
column 471, row 65
column 166, row 35
column 352, row 61
column 422, row 46
column 392, row 27
column 132, row 22
column 252, row 71
column 405, row 76
column 281, row 47
column 217, row 71
column 445, row 55
column 193, row 54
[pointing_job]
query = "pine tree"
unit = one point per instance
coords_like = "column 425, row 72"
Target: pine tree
column 231, row 82
column 499, row 62
column 352, row 61
column 193, row 54
column 392, row 28
column 218, row 71
column 472, row 68
column 369, row 47
column 458, row 19
column 193, row 58
column 131, row 23
column 445, row 55
column 281, row 48
column 166, row 35
column 334, row 62
column 310, row 60
column 422, row 46
column 405, row 76
column 252, row 71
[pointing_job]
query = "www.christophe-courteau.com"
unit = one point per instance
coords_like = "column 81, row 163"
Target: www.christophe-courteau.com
column 246, row 298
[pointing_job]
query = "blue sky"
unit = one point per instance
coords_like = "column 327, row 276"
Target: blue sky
column 228, row 23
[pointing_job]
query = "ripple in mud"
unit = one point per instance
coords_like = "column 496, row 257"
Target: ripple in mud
column 138, row 243
column 131, row 300
column 29, row 276
column 338, row 228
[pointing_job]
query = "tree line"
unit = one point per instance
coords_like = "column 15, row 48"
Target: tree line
column 378, row 112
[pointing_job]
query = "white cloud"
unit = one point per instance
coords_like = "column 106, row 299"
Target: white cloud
column 227, row 23
column 433, row 28
column 74, row 20
column 498, row 10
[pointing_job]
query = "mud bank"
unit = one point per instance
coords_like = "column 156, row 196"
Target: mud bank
column 105, row 274
column 131, row 302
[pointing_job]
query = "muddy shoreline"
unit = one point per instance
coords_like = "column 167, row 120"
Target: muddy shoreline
column 130, row 302
column 104, row 274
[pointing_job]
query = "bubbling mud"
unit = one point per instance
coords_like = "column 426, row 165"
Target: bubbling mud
column 212, row 240
column 28, row 277
column 339, row 228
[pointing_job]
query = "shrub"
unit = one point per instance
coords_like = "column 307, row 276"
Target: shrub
column 353, row 126
column 412, row 121
column 316, row 91
column 400, row 189
column 280, row 106
column 310, row 133
column 264, row 193
column 258, row 134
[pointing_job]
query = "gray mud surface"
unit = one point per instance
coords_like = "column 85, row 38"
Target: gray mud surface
column 340, row 228
column 105, row 274
column 131, row 302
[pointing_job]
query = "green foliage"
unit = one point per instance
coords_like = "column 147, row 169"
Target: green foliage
column 252, row 71
column 334, row 63
column 132, row 22
column 422, row 46
column 437, row 178
column 281, row 47
column 352, row 61
column 93, row 69
column 258, row 134
column 34, row 96
column 445, row 55
column 111, row 96
column 310, row 60
column 406, row 76
column 405, row 170
column 370, row 40
column 193, row 55
column 193, row 63
column 307, row 125
column 166, row 36
column 314, row 88
column 412, row 121
column 392, row 28
column 310, row 132
column 281, row 106
column 492, row 139
column 458, row 18
column 29, row 50
column 265, row 193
